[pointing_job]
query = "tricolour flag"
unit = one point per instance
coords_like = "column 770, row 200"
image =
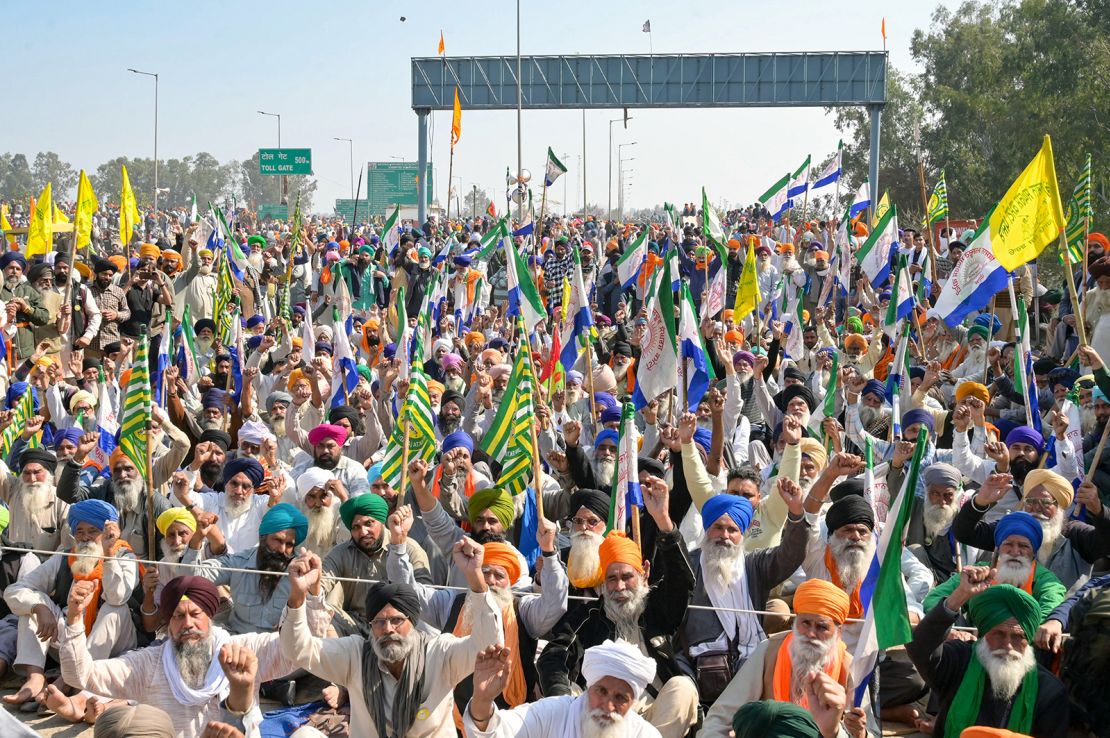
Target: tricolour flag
column 831, row 172
column 524, row 298
column 747, row 291
column 391, row 236
column 977, row 277
column 1079, row 213
column 861, row 200
column 630, row 263
column 937, row 208
column 657, row 367
column 40, row 231
column 896, row 379
column 626, row 482
column 874, row 255
column 776, row 199
column 799, row 181
column 579, row 320
column 129, row 217
column 417, row 415
column 698, row 371
column 136, row 409
column 84, row 211
column 555, row 168
column 1029, row 216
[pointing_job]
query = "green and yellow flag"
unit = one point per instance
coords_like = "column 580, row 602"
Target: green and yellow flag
column 938, row 202
column 1030, row 215
column 1079, row 213
column 509, row 439
column 23, row 410
column 136, row 409
column 417, row 410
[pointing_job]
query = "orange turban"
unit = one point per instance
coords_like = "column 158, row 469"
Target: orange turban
column 821, row 597
column 83, row 269
column 344, row 245
column 475, row 338
column 493, row 354
column 734, row 337
column 822, row 255
column 434, row 386
column 1099, row 239
column 119, row 260
column 298, row 342
column 805, row 316
column 116, row 457
column 726, row 314
column 149, row 251
column 855, row 339
column 972, row 389
column 617, row 548
column 786, row 248
column 505, row 556
column 296, row 376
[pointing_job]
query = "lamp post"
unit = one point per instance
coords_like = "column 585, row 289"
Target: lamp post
column 155, row 76
column 620, row 163
column 284, row 189
column 351, row 148
column 614, row 120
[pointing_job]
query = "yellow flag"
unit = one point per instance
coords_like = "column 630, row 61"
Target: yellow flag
column 59, row 216
column 881, row 208
column 456, row 121
column 1030, row 215
column 6, row 225
column 747, row 291
column 83, row 213
column 128, row 210
column 40, row 233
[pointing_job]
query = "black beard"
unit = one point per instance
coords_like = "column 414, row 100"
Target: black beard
column 219, row 380
column 1019, row 468
column 268, row 561
column 488, row 536
column 326, row 462
column 210, row 473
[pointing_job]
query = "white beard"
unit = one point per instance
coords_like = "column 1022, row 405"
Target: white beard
column 624, row 609
column 168, row 567
column 573, row 396
column 128, row 492
column 602, row 724
column 34, row 497
column 321, row 528
column 604, row 472
column 938, row 518
column 193, row 660
column 1088, row 420
column 720, row 560
column 396, row 648
column 503, row 596
column 1013, row 569
column 256, row 261
column 745, row 377
column 1052, row 528
column 807, row 656
column 204, row 269
column 235, row 509
column 584, row 559
column 976, row 355
column 869, row 415
column 852, row 559
column 83, row 565
column 1005, row 667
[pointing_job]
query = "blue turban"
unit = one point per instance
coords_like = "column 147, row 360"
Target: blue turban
column 605, row 400
column 609, row 435
column 214, row 398
column 736, row 507
column 918, row 415
column 73, row 435
column 390, row 350
column 298, row 310
column 574, row 377
column 989, row 321
column 1063, row 375
column 16, row 390
column 917, row 372
column 325, row 347
column 704, row 439
column 254, row 320
column 94, row 512
column 247, row 466
column 498, row 343
column 254, row 342
column 1097, row 394
column 1018, row 524
column 462, row 260
column 10, row 257
column 458, row 439
column 1027, row 435
column 610, row 415
column 875, row 387
column 374, row 473
column 284, row 516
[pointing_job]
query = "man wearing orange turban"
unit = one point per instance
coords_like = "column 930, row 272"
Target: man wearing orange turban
column 149, row 251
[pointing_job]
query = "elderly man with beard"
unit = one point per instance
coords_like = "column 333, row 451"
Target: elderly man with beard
column 364, row 557
column 38, row 514
column 38, row 600
column 399, row 677
column 327, row 453
column 321, row 496
column 648, row 616
column 1069, row 546
column 994, row 681
column 596, row 473
column 874, row 413
column 784, row 666
column 525, row 619
column 198, row 674
column 23, row 304
column 719, row 641
column 176, row 526
column 277, row 404
column 195, row 287
column 616, row 674
column 587, row 522
column 238, row 508
column 973, row 367
column 1015, row 540
column 930, row 536
column 451, row 407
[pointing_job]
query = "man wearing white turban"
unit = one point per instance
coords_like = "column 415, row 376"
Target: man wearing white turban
column 616, row 676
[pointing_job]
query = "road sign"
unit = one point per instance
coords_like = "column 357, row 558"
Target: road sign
column 273, row 212
column 285, row 161
column 390, row 183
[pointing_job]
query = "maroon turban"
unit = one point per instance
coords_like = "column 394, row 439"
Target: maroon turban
column 321, row 433
column 199, row 590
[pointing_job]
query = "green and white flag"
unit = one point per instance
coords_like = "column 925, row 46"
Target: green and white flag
column 555, row 168
column 391, row 238
column 524, row 298
column 711, row 227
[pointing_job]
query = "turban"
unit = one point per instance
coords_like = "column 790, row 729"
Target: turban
column 821, row 597
column 323, row 432
column 13, row 257
column 1063, row 376
column 884, row 296
column 610, row 415
column 213, row 398
column 1019, row 524
column 593, row 500
column 171, row 255
column 246, row 466
column 175, row 515
column 284, row 516
column 990, row 322
column 855, row 339
column 204, row 323
column 978, row 330
column 846, row 488
column 496, row 500
column 972, row 389
column 604, row 379
column 94, row 512
column 1099, row 240
column 762, row 250
column 197, row 590
column 458, row 439
column 255, row 320
column 340, row 412
column 149, row 251
column 575, row 377
column 651, row 467
column 617, row 548
column 919, row 415
column 258, row 241
column 104, row 265
column 605, row 400
column 505, row 556
column 81, row 396
column 782, row 399
column 620, row 660
column 311, row 478
column 216, row 436
column 1044, row 365
column 254, row 342
column 703, row 439
column 452, row 396
column 854, row 326
column 126, row 721
column 5, row 517
column 435, row 388
column 1025, row 434
column 850, row 510
column 441, row 343
column 374, row 473
column 462, row 260
column 945, row 475
column 793, row 372
column 875, row 387
column 1057, row 486
column 608, row 435
column 734, row 336
column 815, row 451
column 39, row 456
column 490, row 355
column 747, row 356
column 451, row 361
column 1000, row 602
column 323, row 347
column 474, row 338
column 500, row 370
column 736, row 507
column 253, row 431
column 917, row 372
column 369, row 504
column 401, row 596
column 774, row 719
column 73, row 435
column 623, row 348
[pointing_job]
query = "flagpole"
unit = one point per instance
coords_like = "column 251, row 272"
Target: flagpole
column 537, row 468
column 450, row 178
column 928, row 224
column 404, row 452
column 149, row 470
column 1079, row 327
column 590, row 377
column 1019, row 347
column 990, row 334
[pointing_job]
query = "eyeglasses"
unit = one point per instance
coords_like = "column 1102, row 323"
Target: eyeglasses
column 585, row 522
column 1041, row 502
column 395, row 622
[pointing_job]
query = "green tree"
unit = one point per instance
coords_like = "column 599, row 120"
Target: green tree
column 49, row 167
column 16, row 181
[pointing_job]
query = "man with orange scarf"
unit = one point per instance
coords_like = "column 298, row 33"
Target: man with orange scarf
column 525, row 618
column 39, row 600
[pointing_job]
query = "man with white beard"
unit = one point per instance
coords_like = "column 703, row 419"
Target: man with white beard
column 192, row 674
column 588, row 518
column 176, row 526
column 727, row 578
column 928, row 536
column 277, row 404
column 994, row 681
column 195, row 287
column 616, row 676
column 1016, row 538
column 874, row 413
column 37, row 513
column 238, row 508
column 1069, row 546
column 974, row 364
column 38, row 600
column 595, row 473
column 320, row 497
column 783, row 666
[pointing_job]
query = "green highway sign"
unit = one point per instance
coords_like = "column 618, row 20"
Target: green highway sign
column 390, row 183
column 346, row 210
column 285, row 161
column 273, row 212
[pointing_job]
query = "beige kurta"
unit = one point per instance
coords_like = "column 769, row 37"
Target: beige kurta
column 44, row 530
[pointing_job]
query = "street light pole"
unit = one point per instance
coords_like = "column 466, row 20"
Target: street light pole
column 155, row 75
column 284, row 188
column 519, row 106
column 351, row 147
column 620, row 161
column 610, row 188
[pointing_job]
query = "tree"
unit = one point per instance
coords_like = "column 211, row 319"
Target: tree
column 263, row 189
column 49, row 167
column 475, row 202
column 16, row 180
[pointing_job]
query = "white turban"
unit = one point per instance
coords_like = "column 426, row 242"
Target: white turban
column 254, row 431
column 314, row 476
column 441, row 343
column 619, row 659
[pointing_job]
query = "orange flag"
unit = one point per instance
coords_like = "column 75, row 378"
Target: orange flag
column 883, row 30
column 442, row 50
column 456, row 121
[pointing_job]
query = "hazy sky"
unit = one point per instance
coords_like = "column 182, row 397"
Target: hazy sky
column 341, row 68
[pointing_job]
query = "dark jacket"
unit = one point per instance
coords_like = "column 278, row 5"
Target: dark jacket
column 587, row 625
column 24, row 343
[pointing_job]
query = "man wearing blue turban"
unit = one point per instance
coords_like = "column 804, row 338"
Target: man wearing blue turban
column 239, row 507
column 728, row 579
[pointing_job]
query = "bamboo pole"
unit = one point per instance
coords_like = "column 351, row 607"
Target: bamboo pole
column 404, row 455
column 1080, row 328
column 148, row 472
column 928, row 225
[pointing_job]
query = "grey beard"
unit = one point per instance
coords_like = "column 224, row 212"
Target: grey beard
column 34, row 497
column 1088, row 420
column 584, row 560
column 604, row 472
column 193, row 660
column 868, row 415
column 1052, row 528
column 1013, row 569
column 1005, row 668
column 449, row 425
column 807, row 656
column 394, row 648
column 625, row 609
column 84, row 564
column 128, row 494
column 234, row 509
column 720, row 560
column 938, row 518
column 321, row 528
column 603, row 724
column 852, row 559
column 211, row 424
column 745, row 377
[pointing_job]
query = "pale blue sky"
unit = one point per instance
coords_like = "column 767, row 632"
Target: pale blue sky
column 342, row 69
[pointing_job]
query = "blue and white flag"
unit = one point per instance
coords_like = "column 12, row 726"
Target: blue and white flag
column 861, row 201
column 777, row 199
column 831, row 173
column 874, row 255
column 799, row 181
column 977, row 277
column 630, row 264
column 626, row 491
column 691, row 350
column 901, row 300
column 107, row 425
column 555, row 169
column 162, row 362
column 657, row 367
column 524, row 299
column 345, row 374
column 579, row 318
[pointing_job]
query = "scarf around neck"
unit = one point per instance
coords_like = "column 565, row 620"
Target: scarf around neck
column 394, row 721
column 969, row 700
